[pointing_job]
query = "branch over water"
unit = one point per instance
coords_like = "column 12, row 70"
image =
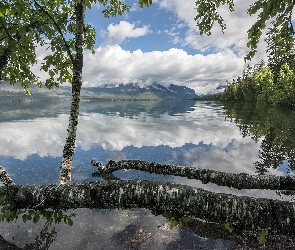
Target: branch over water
column 238, row 181
column 160, row 197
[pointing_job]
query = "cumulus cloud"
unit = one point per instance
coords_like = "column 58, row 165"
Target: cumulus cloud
column 218, row 57
column 112, row 64
column 235, row 36
column 116, row 34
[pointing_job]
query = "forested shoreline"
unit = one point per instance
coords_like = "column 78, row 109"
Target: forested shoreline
column 270, row 82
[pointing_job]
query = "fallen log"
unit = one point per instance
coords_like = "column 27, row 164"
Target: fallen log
column 238, row 181
column 245, row 213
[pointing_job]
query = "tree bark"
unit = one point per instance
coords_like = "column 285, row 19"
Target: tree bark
column 68, row 151
column 4, row 58
column 5, row 178
column 245, row 213
column 238, row 181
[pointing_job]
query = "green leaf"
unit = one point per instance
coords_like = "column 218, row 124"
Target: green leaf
column 2, row 200
column 70, row 222
column 262, row 236
column 174, row 224
column 185, row 219
column 228, row 226
column 36, row 218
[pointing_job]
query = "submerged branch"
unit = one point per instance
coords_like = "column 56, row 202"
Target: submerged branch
column 238, row 181
column 245, row 212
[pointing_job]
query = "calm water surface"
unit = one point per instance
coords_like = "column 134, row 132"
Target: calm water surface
column 196, row 134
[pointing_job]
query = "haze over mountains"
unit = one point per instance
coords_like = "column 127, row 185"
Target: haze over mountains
column 108, row 92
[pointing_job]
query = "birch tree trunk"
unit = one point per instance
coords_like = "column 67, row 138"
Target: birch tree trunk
column 68, row 151
column 160, row 197
column 238, row 181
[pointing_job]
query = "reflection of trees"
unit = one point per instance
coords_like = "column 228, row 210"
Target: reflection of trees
column 273, row 125
column 46, row 235
column 271, row 155
column 9, row 213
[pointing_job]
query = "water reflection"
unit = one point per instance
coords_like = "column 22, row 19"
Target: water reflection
column 36, row 228
column 184, row 133
column 274, row 127
column 172, row 132
column 107, row 229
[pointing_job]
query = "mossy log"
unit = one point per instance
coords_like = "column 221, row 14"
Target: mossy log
column 238, row 181
column 160, row 197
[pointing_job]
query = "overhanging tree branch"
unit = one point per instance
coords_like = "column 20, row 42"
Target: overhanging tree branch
column 59, row 31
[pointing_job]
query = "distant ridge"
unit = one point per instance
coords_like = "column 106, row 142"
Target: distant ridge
column 107, row 92
column 130, row 91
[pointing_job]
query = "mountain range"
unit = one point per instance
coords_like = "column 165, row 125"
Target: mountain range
column 108, row 92
column 131, row 91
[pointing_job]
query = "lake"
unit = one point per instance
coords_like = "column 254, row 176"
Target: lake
column 233, row 138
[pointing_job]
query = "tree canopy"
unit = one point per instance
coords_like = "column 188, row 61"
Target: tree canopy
column 278, row 11
column 270, row 82
column 25, row 25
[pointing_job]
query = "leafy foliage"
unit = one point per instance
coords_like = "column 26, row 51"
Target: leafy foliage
column 260, row 85
column 228, row 226
column 8, row 213
column 25, row 25
column 273, row 82
column 280, row 51
column 208, row 14
column 262, row 236
column 280, row 11
column 174, row 222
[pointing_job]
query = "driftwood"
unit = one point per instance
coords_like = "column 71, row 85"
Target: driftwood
column 160, row 197
column 238, row 181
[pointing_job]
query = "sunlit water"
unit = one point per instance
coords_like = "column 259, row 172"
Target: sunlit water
column 188, row 133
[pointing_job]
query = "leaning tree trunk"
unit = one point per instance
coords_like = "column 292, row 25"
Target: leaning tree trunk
column 68, row 151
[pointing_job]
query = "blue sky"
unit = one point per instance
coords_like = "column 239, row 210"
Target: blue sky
column 159, row 26
column 162, row 44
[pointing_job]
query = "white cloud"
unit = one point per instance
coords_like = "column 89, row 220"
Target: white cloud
column 112, row 64
column 118, row 33
column 222, row 60
column 235, row 36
